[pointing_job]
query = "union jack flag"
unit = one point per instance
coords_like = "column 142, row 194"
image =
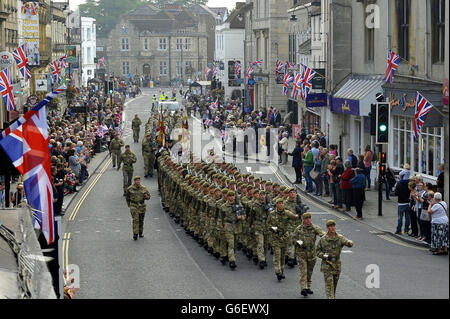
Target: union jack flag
column 423, row 107
column 214, row 104
column 63, row 62
column 208, row 122
column 207, row 72
column 237, row 70
column 286, row 81
column 393, row 60
column 249, row 73
column 102, row 59
column 214, row 72
column 24, row 118
column 278, row 68
column 297, row 85
column 217, row 119
column 7, row 90
column 56, row 70
column 26, row 143
column 306, row 79
column 20, row 55
column 102, row 130
column 258, row 63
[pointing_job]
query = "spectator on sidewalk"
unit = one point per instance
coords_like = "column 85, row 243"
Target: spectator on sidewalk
column 325, row 178
column 368, row 158
column 308, row 165
column 439, row 225
column 317, row 164
column 337, row 174
column 333, row 149
column 284, row 148
column 403, row 193
column 421, row 198
column 412, row 210
column 352, row 158
column 346, row 186
column 359, row 183
column 360, row 163
column 330, row 169
column 297, row 162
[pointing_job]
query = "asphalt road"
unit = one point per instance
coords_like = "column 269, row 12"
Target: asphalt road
column 168, row 264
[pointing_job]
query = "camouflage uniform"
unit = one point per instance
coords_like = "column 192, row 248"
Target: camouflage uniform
column 279, row 239
column 306, row 253
column 128, row 159
column 331, row 268
column 136, row 197
column 115, row 150
column 260, row 229
column 230, row 229
column 136, row 127
column 148, row 153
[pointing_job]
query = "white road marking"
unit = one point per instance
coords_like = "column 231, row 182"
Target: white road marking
column 97, row 231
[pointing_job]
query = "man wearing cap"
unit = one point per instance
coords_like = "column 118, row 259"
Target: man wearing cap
column 403, row 193
column 304, row 237
column 329, row 250
column 115, row 149
column 148, row 153
column 136, row 127
column 128, row 159
column 259, row 227
column 277, row 224
column 136, row 196
column 291, row 205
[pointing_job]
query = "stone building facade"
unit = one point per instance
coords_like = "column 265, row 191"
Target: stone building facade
column 162, row 45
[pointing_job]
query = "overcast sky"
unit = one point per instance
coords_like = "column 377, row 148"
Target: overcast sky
column 211, row 3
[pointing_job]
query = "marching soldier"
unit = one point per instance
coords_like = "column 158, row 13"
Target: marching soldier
column 136, row 197
column 291, row 204
column 148, row 153
column 230, row 224
column 136, row 127
column 329, row 250
column 259, row 227
column 277, row 224
column 128, row 159
column 115, row 149
column 304, row 237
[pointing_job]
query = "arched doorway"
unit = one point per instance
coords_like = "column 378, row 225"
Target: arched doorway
column 146, row 72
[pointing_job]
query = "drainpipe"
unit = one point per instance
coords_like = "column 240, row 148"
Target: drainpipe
column 427, row 38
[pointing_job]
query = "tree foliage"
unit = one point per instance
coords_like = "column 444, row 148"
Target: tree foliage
column 107, row 12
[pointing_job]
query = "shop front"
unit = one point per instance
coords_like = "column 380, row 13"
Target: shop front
column 427, row 152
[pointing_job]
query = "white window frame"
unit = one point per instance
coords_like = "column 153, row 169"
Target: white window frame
column 146, row 44
column 125, row 68
column 179, row 44
column 162, row 68
column 162, row 44
column 125, row 44
column 188, row 44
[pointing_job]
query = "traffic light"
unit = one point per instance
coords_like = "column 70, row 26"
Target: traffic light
column 383, row 170
column 373, row 119
column 110, row 87
column 383, row 158
column 383, row 115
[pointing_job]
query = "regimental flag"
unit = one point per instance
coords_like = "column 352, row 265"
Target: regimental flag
column 207, row 72
column 24, row 118
column 257, row 63
column 393, row 60
column 249, row 74
column 20, row 55
column 237, row 70
column 306, row 79
column 297, row 85
column 286, row 81
column 27, row 146
column 7, row 89
column 423, row 107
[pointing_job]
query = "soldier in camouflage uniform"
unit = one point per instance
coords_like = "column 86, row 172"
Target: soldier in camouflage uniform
column 231, row 223
column 291, row 204
column 148, row 153
column 136, row 197
column 260, row 227
column 136, row 127
column 128, row 159
column 115, row 149
column 329, row 250
column 304, row 237
column 277, row 224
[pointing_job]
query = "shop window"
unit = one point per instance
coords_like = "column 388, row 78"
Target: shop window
column 403, row 15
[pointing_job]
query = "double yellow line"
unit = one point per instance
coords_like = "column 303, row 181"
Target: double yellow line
column 86, row 193
column 66, row 238
column 278, row 175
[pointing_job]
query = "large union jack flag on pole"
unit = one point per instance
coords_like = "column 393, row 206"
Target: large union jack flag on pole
column 286, row 81
column 393, row 60
column 27, row 145
column 56, row 70
column 237, row 70
column 20, row 55
column 249, row 74
column 7, row 90
column 278, row 68
column 423, row 107
column 306, row 79
column 257, row 63
column 297, row 85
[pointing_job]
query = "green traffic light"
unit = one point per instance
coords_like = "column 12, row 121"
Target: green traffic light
column 383, row 128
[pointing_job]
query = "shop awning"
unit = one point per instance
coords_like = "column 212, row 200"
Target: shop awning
column 360, row 89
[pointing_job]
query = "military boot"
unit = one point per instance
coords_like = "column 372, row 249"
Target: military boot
column 261, row 265
column 249, row 254
column 244, row 250
column 279, row 277
column 141, row 235
column 304, row 292
column 239, row 246
column 232, row 265
column 309, row 291
column 135, row 237
column 210, row 250
column 290, row 263
column 255, row 260
column 223, row 260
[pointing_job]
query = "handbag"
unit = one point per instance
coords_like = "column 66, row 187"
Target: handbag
column 424, row 215
column 314, row 174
